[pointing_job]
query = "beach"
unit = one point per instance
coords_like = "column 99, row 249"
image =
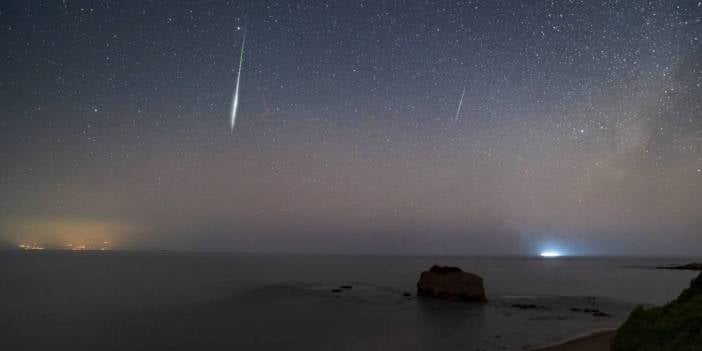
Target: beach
column 599, row 341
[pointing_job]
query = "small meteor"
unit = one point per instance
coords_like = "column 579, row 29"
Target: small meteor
column 235, row 100
column 460, row 103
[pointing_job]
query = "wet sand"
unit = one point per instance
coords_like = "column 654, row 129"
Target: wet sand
column 596, row 342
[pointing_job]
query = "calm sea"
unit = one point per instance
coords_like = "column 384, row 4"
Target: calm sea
column 138, row 300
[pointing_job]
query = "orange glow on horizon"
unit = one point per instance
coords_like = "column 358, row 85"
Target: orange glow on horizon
column 67, row 234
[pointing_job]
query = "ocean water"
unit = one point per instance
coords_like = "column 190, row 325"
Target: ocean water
column 186, row 301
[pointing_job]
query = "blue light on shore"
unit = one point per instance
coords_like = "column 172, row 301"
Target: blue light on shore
column 550, row 253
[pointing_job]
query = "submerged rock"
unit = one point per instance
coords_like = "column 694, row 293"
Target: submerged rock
column 451, row 283
column 675, row 326
column 527, row 306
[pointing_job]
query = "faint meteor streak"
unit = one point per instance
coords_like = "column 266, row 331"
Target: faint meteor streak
column 460, row 103
column 235, row 100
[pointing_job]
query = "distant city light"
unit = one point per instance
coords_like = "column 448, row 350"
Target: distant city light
column 550, row 254
column 30, row 247
column 68, row 246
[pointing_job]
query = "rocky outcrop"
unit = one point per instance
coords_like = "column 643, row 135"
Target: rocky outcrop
column 689, row 266
column 451, row 283
column 675, row 326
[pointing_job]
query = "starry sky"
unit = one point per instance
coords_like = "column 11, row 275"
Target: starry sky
column 580, row 126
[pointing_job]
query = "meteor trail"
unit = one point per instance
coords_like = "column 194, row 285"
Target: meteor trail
column 235, row 100
column 460, row 103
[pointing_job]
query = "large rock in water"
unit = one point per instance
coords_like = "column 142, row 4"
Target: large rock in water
column 451, row 283
column 675, row 326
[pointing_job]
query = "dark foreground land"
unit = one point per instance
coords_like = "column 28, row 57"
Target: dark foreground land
column 677, row 326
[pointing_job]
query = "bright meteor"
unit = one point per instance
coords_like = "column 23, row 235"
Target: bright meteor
column 235, row 100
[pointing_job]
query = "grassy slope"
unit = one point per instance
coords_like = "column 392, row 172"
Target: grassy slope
column 675, row 326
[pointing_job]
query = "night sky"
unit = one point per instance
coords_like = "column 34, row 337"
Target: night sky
column 580, row 126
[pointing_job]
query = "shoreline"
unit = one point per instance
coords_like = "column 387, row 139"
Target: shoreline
column 598, row 340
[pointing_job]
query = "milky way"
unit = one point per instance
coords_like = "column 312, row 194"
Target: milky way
column 579, row 127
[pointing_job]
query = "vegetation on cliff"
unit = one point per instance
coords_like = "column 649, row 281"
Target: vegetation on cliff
column 675, row 326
